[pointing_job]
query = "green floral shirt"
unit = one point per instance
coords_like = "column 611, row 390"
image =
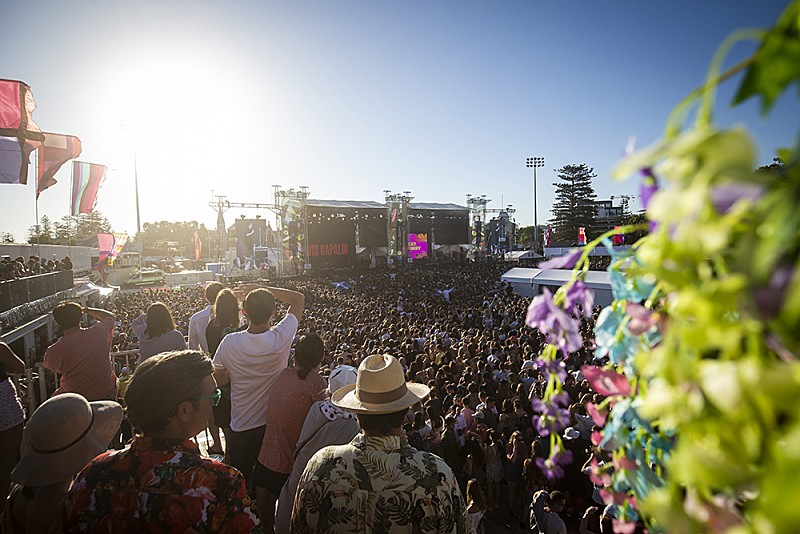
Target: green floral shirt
column 378, row 485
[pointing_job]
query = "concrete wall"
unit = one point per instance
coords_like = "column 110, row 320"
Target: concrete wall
column 81, row 256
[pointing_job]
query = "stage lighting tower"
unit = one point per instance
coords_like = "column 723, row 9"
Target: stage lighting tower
column 535, row 163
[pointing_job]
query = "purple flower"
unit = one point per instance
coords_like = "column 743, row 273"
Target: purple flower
column 648, row 187
column 552, row 467
column 642, row 319
column 579, row 293
column 567, row 261
column 769, row 298
column 559, row 328
column 549, row 469
column 554, row 414
column 723, row 197
column 549, row 367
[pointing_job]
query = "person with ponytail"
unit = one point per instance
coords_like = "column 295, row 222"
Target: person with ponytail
column 295, row 389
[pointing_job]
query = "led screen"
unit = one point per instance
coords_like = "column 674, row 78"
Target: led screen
column 417, row 246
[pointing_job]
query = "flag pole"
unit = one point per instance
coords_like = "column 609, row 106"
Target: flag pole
column 36, row 204
column 69, row 211
column 138, row 219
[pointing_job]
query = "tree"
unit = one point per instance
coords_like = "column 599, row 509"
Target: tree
column 631, row 219
column 525, row 236
column 62, row 232
column 42, row 233
column 6, row 237
column 88, row 225
column 774, row 170
column 574, row 205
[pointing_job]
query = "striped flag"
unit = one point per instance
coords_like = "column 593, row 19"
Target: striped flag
column 86, row 181
column 56, row 151
column 19, row 134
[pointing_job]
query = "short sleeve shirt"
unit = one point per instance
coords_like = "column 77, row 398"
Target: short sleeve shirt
column 83, row 360
column 378, row 484
column 158, row 485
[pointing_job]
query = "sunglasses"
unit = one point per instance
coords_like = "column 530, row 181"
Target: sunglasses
column 214, row 397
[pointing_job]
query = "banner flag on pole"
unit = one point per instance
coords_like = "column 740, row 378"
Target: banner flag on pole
column 19, row 134
column 619, row 237
column 120, row 238
column 56, row 151
column 547, row 237
column 581, row 236
column 105, row 245
column 198, row 246
column 86, row 181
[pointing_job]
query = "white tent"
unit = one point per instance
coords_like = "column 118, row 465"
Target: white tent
column 528, row 282
column 515, row 255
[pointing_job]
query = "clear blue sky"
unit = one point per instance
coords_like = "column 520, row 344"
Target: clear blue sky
column 440, row 98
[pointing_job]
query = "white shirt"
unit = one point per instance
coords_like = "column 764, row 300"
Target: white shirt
column 254, row 362
column 197, row 329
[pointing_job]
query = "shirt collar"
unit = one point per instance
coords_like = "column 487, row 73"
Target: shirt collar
column 379, row 443
column 164, row 444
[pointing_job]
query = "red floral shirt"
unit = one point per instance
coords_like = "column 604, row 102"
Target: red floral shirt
column 158, row 485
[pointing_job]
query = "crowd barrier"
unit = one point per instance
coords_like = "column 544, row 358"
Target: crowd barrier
column 15, row 293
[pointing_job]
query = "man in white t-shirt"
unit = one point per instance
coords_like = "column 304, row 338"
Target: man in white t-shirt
column 252, row 359
column 199, row 321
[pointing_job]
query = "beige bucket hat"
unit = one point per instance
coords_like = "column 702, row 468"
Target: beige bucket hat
column 62, row 436
column 380, row 388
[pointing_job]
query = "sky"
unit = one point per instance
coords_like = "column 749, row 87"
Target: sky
column 351, row 98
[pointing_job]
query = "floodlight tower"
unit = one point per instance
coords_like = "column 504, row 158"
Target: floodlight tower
column 535, row 163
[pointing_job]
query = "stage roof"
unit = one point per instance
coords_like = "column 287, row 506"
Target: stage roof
column 369, row 204
column 432, row 206
column 344, row 204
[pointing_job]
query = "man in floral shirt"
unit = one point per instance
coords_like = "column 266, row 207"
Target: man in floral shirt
column 161, row 483
column 378, row 482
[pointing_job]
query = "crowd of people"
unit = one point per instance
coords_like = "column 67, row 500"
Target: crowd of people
column 13, row 269
column 285, row 371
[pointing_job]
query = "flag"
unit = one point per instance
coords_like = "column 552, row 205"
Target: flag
column 581, row 236
column 86, row 181
column 547, row 237
column 619, row 237
column 105, row 244
column 198, row 246
column 120, row 238
column 56, row 151
column 19, row 134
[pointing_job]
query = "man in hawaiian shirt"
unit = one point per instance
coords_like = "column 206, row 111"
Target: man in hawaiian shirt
column 378, row 482
column 160, row 483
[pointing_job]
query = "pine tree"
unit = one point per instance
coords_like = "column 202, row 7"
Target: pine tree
column 574, row 205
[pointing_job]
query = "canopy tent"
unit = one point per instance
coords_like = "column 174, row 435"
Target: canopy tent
column 515, row 255
column 528, row 282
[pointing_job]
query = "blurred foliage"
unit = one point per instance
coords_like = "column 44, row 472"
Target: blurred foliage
column 704, row 332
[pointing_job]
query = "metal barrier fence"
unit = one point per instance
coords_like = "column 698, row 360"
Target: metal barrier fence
column 15, row 293
column 34, row 387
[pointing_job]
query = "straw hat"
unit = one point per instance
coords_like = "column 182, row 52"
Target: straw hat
column 62, row 435
column 380, row 388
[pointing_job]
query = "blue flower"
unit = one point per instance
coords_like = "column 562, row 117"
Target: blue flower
column 627, row 287
column 611, row 339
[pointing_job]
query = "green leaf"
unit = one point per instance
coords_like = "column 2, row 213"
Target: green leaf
column 777, row 62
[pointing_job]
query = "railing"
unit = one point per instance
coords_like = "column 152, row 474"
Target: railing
column 124, row 358
column 15, row 293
